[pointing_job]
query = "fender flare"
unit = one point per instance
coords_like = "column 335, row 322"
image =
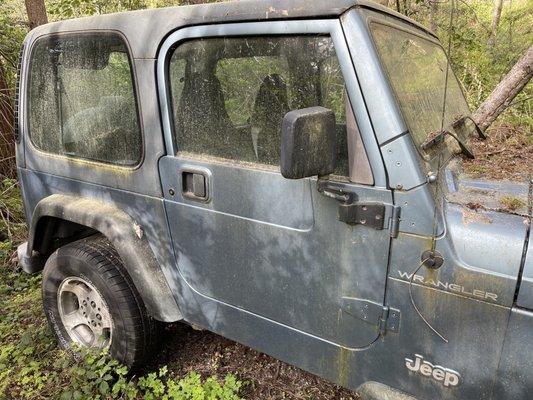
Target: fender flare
column 128, row 239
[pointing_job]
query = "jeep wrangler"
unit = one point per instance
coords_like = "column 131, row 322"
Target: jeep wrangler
column 286, row 174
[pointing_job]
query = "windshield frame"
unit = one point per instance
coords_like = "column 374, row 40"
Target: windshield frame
column 445, row 149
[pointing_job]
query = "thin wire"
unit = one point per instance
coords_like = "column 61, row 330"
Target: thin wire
column 450, row 34
column 437, row 185
column 439, row 163
column 414, row 304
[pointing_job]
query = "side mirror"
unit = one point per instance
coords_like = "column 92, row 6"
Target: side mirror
column 308, row 143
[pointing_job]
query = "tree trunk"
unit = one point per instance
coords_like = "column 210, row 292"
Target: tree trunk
column 504, row 93
column 433, row 15
column 36, row 13
column 7, row 146
column 496, row 15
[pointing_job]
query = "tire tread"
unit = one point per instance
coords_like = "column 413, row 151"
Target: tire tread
column 140, row 329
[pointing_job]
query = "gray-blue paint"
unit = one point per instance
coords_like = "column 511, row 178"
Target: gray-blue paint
column 241, row 236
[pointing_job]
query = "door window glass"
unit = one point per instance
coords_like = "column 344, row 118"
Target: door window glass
column 81, row 99
column 229, row 95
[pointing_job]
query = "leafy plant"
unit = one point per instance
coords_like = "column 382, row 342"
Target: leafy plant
column 33, row 367
column 100, row 377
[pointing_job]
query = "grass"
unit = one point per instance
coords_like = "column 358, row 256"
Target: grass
column 510, row 203
column 32, row 366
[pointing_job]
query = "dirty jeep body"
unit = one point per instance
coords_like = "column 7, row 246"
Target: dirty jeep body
column 321, row 273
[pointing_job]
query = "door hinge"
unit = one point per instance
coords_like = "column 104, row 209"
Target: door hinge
column 373, row 214
column 382, row 316
column 394, row 223
column 370, row 214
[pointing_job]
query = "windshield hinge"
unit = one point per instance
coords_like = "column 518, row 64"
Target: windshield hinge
column 382, row 316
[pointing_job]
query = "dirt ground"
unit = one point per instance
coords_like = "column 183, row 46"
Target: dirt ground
column 185, row 349
column 506, row 154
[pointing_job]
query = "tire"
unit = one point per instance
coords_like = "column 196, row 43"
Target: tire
column 90, row 300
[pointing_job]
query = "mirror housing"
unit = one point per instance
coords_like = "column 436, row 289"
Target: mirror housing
column 308, row 143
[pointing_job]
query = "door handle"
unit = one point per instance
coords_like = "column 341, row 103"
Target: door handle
column 195, row 185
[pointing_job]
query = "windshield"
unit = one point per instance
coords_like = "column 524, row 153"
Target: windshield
column 416, row 67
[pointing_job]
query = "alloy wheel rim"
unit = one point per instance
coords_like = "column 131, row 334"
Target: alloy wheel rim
column 84, row 313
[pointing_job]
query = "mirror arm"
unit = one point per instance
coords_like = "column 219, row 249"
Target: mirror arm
column 464, row 149
column 329, row 189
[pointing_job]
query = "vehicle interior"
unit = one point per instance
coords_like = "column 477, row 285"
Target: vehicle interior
column 238, row 91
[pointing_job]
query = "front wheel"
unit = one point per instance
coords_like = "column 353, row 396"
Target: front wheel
column 90, row 301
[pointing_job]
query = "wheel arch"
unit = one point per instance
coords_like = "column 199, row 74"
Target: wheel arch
column 75, row 217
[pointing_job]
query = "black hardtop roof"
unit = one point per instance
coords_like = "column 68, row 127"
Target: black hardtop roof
column 145, row 29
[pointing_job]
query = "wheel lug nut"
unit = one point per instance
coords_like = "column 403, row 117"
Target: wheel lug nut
column 98, row 316
column 93, row 304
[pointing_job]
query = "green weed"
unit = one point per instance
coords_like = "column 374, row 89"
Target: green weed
column 510, row 203
column 33, row 367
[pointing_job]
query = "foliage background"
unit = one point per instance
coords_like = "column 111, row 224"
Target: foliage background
column 480, row 63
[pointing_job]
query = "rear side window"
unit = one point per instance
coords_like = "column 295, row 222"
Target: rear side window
column 82, row 99
column 230, row 95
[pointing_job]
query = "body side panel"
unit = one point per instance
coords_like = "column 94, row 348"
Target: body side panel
column 292, row 263
column 143, row 179
column 525, row 295
column 514, row 372
column 134, row 223
column 481, row 253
